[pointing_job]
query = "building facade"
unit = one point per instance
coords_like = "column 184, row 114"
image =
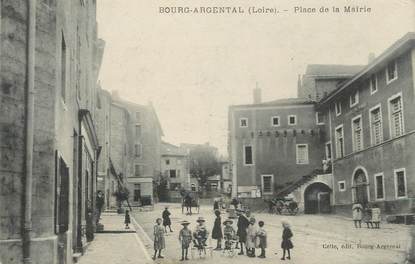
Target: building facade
column 50, row 59
column 349, row 137
column 175, row 167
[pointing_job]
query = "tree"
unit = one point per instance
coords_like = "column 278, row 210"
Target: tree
column 203, row 163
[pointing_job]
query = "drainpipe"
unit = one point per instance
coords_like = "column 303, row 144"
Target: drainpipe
column 30, row 83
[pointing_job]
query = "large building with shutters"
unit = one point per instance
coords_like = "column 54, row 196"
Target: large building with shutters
column 350, row 136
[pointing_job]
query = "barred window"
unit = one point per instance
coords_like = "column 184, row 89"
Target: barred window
column 396, row 118
column 248, row 155
column 267, row 184
column 379, row 186
column 357, row 134
column 400, row 183
column 376, row 126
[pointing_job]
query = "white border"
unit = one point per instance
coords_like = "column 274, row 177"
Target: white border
column 295, row 119
column 389, row 114
column 272, row 121
column 336, row 139
column 379, row 105
column 240, row 121
column 356, row 93
column 353, row 133
column 338, row 186
column 296, row 154
column 396, row 183
column 272, row 183
column 396, row 72
column 376, row 186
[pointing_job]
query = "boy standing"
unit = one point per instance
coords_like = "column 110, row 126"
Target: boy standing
column 262, row 236
column 185, row 237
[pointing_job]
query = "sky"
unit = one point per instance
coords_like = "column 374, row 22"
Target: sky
column 193, row 67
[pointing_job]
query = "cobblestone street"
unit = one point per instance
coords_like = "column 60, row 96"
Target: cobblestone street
column 311, row 234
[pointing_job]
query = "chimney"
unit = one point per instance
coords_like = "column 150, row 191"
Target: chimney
column 371, row 57
column 257, row 94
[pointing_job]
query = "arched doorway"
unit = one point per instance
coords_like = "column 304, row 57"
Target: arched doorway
column 317, row 198
column 360, row 186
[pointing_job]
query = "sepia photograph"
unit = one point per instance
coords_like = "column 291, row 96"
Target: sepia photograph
column 207, row 131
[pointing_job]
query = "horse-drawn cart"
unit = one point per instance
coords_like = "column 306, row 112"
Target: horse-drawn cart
column 283, row 206
column 189, row 200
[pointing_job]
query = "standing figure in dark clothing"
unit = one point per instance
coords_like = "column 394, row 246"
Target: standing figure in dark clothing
column 188, row 204
column 216, row 205
column 100, row 201
column 242, row 225
column 217, row 230
column 127, row 219
column 286, row 243
column 166, row 219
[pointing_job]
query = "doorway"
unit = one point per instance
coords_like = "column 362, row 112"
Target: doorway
column 317, row 199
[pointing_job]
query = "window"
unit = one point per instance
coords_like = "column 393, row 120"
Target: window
column 275, row 121
column 396, row 116
column 376, row 129
column 357, row 133
column 172, row 173
column 391, row 72
column 302, row 154
column 137, row 117
column 267, row 184
column 243, row 122
column 328, row 151
column 138, row 170
column 137, row 131
column 373, row 84
column 354, row 99
column 137, row 192
column 292, row 120
column 63, row 69
column 342, row 186
column 400, row 183
column 319, row 118
column 167, row 162
column 339, row 142
column 137, row 150
column 248, row 155
column 379, row 187
column 338, row 108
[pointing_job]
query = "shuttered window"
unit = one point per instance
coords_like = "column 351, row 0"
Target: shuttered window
column 396, row 118
column 357, row 134
column 376, row 126
column 302, row 154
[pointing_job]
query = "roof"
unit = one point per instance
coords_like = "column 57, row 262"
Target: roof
column 395, row 50
column 284, row 101
column 168, row 149
column 333, row 70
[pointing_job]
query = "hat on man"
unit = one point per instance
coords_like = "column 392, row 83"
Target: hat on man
column 183, row 223
column 200, row 219
column 228, row 221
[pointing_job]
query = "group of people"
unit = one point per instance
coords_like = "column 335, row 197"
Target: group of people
column 370, row 214
column 248, row 235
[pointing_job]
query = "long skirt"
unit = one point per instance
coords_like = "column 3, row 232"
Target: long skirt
column 160, row 243
column 286, row 244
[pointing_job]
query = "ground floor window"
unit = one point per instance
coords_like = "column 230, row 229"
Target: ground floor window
column 400, row 183
column 267, row 184
column 379, row 186
column 137, row 192
column 342, row 186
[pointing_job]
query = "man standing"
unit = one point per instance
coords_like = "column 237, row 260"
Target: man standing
column 242, row 224
column 100, row 204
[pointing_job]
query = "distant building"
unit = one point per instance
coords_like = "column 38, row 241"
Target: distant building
column 225, row 177
column 348, row 138
column 175, row 167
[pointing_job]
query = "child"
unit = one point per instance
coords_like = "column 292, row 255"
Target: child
column 185, row 237
column 357, row 214
column 376, row 216
column 286, row 243
column 159, row 242
column 200, row 234
column 251, row 237
column 217, row 230
column 368, row 216
column 228, row 232
column 127, row 219
column 166, row 219
column 262, row 237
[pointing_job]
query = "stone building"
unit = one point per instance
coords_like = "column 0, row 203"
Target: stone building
column 131, row 152
column 50, row 59
column 348, row 138
column 175, row 167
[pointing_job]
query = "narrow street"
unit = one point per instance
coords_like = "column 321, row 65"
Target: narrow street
column 314, row 235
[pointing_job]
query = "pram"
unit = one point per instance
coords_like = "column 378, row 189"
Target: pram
column 201, row 246
column 229, row 248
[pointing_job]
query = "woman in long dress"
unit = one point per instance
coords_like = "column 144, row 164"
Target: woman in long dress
column 217, row 230
column 159, row 241
column 357, row 210
column 252, row 231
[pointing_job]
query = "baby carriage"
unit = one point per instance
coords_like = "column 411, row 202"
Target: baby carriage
column 201, row 247
column 229, row 248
